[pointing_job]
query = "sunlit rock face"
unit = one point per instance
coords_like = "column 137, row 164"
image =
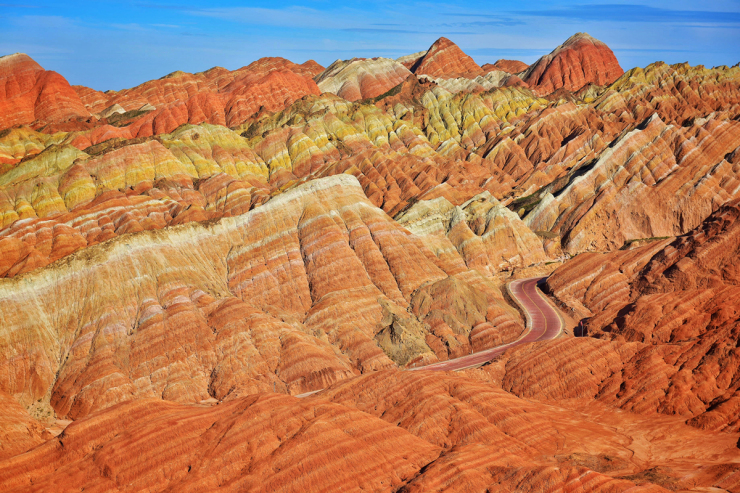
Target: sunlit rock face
column 292, row 296
column 579, row 61
column 361, row 78
column 674, row 303
column 445, row 59
column 510, row 66
column 29, row 94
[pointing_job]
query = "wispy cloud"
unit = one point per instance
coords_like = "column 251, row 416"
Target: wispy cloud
column 624, row 13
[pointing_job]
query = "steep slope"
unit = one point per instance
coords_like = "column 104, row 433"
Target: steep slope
column 361, row 78
column 309, row 288
column 30, row 94
column 445, row 59
column 676, row 301
column 655, row 180
column 580, row 60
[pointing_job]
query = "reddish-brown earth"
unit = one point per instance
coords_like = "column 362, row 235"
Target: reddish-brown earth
column 445, row 59
column 674, row 304
column 385, row 431
column 178, row 257
column 30, row 94
column 579, row 61
column 510, row 66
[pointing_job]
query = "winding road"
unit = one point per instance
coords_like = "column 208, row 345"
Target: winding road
column 543, row 323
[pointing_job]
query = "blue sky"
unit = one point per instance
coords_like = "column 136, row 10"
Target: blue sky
column 117, row 44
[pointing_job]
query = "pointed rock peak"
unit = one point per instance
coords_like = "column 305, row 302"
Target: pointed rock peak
column 16, row 61
column 580, row 60
column 445, row 59
column 581, row 36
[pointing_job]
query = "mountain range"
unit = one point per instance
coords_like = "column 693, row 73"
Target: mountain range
column 180, row 260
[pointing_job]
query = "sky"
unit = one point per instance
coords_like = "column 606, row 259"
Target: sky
column 117, row 44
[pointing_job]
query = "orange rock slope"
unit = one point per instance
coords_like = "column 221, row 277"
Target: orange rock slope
column 386, row 431
column 671, row 309
column 29, row 94
column 312, row 287
column 579, row 61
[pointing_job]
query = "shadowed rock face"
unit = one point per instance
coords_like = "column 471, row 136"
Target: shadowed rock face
column 579, row 61
column 673, row 303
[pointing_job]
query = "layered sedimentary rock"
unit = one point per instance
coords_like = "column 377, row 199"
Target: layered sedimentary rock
column 491, row 80
column 488, row 236
column 670, row 308
column 579, row 61
column 510, row 66
column 289, row 297
column 389, row 430
column 217, row 96
column 257, row 443
column 445, row 59
column 408, row 61
column 29, row 94
column 418, row 142
column 361, row 78
column 656, row 180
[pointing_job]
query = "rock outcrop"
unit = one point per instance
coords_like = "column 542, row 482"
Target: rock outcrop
column 579, row 61
column 671, row 305
column 445, row 59
column 509, row 66
column 30, row 94
column 361, row 78
column 290, row 296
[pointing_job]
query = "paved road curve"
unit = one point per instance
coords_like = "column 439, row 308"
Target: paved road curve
column 543, row 323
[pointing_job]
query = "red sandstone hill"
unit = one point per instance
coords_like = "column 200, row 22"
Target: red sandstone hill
column 385, row 431
column 510, row 66
column 445, row 59
column 676, row 302
column 217, row 96
column 580, row 60
column 29, row 94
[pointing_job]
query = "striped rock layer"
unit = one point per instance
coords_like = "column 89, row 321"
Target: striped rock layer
column 385, row 431
column 312, row 287
column 669, row 307
column 234, row 237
